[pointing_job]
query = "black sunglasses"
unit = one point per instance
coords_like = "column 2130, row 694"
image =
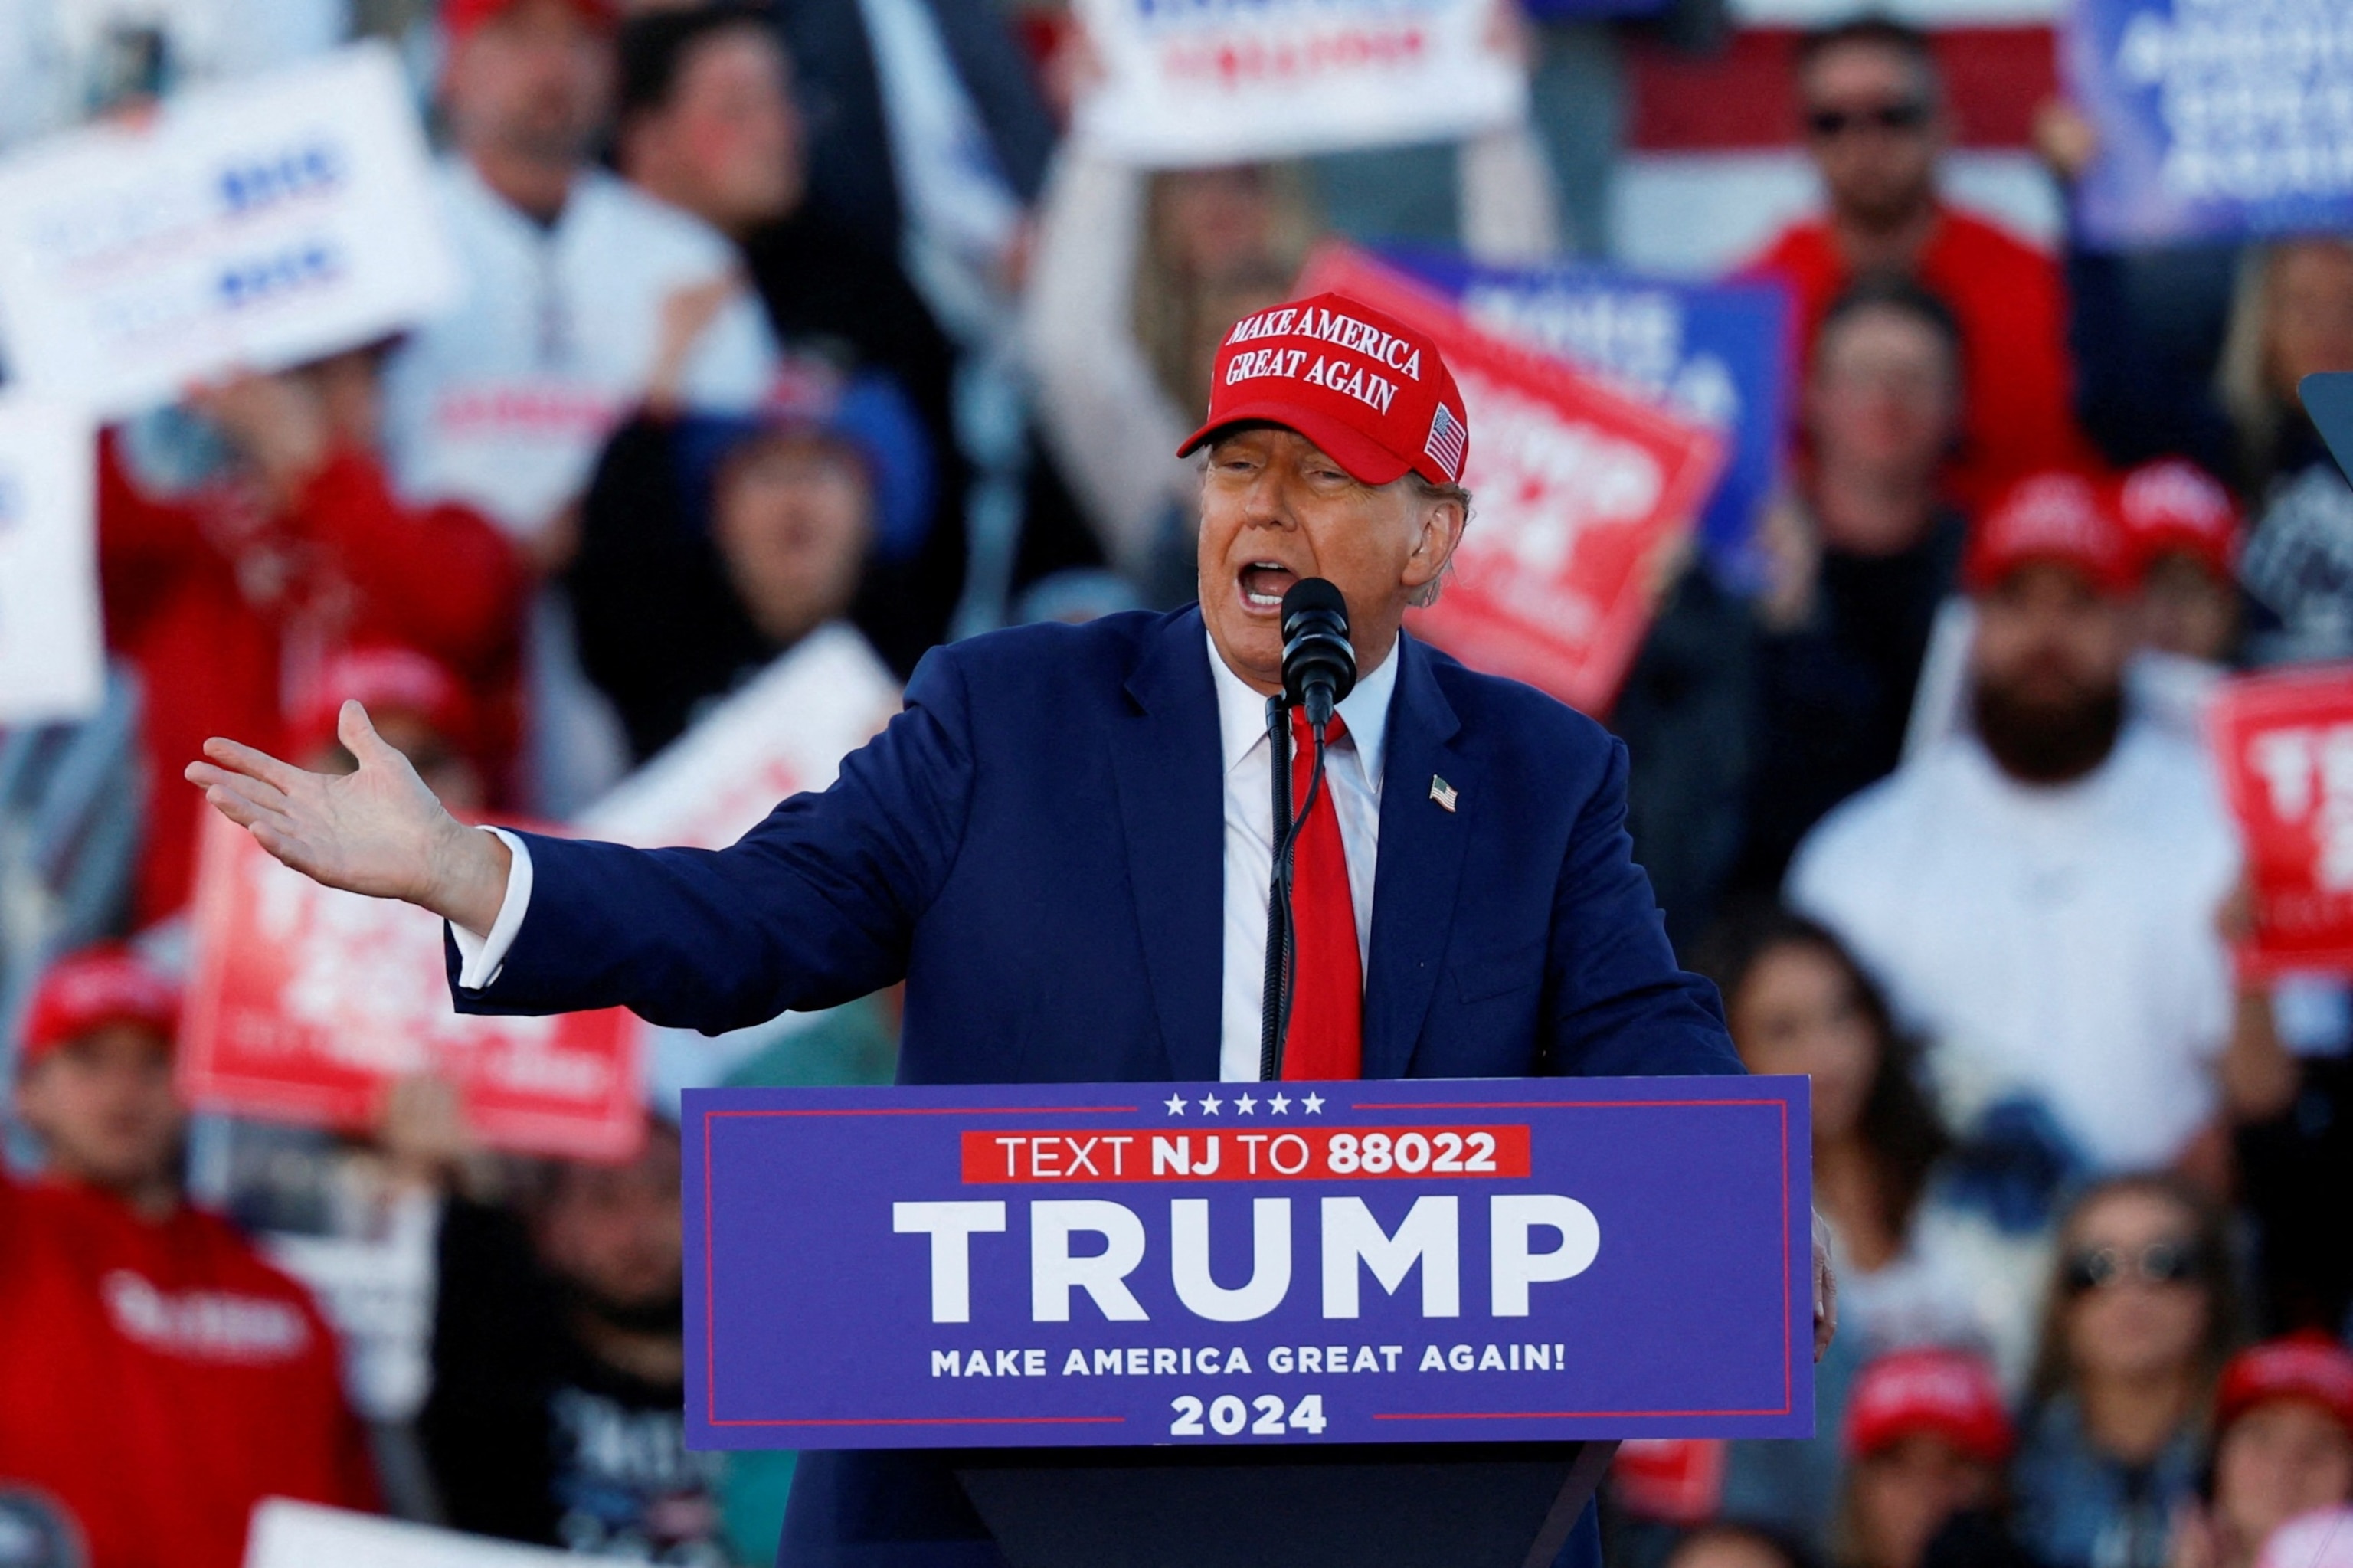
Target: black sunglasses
column 2159, row 1263
column 1832, row 123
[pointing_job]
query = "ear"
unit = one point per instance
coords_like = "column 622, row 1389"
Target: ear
column 1438, row 530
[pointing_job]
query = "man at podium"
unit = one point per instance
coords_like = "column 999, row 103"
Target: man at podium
column 1065, row 843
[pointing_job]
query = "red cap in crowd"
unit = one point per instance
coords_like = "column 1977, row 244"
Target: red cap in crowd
column 1933, row 1391
column 461, row 18
column 2308, row 1366
column 2174, row 506
column 1366, row 388
column 385, row 678
column 2055, row 518
column 86, row 990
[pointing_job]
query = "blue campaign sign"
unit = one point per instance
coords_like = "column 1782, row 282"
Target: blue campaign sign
column 1715, row 353
column 1394, row 1261
column 2216, row 119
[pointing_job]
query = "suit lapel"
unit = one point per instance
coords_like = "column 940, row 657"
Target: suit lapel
column 1419, row 865
column 1172, row 806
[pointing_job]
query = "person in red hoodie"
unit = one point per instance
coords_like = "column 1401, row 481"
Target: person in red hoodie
column 1876, row 125
column 159, row 1378
column 228, row 598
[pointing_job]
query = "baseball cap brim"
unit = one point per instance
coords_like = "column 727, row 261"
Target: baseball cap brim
column 1366, row 460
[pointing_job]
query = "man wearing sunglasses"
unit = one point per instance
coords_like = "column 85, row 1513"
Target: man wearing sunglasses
column 1873, row 114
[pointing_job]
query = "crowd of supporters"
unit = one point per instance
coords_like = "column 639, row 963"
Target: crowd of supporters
column 777, row 320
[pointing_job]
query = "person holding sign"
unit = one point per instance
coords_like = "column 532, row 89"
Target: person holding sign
column 1063, row 845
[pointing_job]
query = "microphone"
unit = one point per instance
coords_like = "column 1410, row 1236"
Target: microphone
column 1319, row 663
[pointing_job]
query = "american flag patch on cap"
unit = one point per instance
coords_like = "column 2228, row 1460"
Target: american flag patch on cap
column 1447, row 441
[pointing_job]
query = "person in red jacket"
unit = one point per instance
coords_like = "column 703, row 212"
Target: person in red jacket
column 228, row 598
column 1875, row 126
column 159, row 1378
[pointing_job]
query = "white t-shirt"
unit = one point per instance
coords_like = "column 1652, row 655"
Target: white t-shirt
column 505, row 401
column 2054, row 942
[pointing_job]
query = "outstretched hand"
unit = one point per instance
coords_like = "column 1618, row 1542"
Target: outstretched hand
column 378, row 830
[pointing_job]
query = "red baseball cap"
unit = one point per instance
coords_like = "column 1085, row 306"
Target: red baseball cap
column 2309, row 1365
column 385, row 678
column 1940, row 1392
column 1366, row 388
column 2053, row 518
column 461, row 18
column 2172, row 506
column 85, row 990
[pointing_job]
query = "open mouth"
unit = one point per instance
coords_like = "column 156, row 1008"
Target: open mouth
column 1263, row 584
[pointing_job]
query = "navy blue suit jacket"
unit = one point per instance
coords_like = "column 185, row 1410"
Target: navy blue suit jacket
column 1036, row 845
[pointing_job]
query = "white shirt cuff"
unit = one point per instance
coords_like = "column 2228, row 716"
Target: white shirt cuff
column 482, row 957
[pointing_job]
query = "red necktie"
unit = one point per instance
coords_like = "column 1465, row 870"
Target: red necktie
column 1327, row 988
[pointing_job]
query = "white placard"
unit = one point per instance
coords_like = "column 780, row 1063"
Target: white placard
column 1219, row 81
column 303, row 1535
column 785, row 732
column 52, row 658
column 255, row 225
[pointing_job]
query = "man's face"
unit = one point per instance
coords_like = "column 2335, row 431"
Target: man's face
column 792, row 517
column 2048, row 669
column 1874, row 130
column 1883, row 398
column 615, row 1232
column 1274, row 510
column 104, row 1108
column 728, row 146
column 2283, row 1457
column 1904, row 1494
column 532, row 81
column 2046, row 637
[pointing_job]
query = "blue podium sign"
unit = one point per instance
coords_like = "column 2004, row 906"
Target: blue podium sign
column 1124, row 1264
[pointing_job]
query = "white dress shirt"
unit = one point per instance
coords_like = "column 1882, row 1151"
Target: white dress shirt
column 1352, row 771
column 2056, row 942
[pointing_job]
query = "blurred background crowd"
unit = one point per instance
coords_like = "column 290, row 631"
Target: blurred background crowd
column 786, row 318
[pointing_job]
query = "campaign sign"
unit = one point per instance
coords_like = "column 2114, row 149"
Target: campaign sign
column 1714, row 354
column 306, row 1003
column 52, row 657
column 1186, row 82
column 2217, row 118
column 783, row 734
column 1127, row 1264
column 1576, row 489
column 252, row 225
column 2286, row 745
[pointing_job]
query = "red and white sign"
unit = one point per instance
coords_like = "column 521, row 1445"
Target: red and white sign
column 307, row 1003
column 1224, row 81
column 785, row 732
column 2286, row 745
column 1576, row 489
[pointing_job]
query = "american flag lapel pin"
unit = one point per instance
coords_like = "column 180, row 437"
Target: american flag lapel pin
column 1442, row 792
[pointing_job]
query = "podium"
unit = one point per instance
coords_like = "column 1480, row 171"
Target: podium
column 1477, row 1505
column 1213, row 1326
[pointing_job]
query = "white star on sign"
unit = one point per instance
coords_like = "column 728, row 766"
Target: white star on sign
column 1176, row 1104
column 1209, row 1103
column 1245, row 1105
column 1313, row 1104
column 1279, row 1104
